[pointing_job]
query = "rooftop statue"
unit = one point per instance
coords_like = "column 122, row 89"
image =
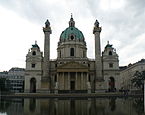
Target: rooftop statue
column 47, row 23
column 96, row 23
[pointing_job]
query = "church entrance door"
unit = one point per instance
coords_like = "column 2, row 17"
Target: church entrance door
column 72, row 85
column 112, row 84
column 33, row 85
column 72, row 81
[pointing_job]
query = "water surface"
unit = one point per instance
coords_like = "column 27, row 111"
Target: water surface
column 71, row 106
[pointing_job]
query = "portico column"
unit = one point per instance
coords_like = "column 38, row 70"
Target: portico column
column 88, row 84
column 76, row 81
column 68, row 80
column 82, row 81
column 63, row 88
column 87, row 77
column 56, row 85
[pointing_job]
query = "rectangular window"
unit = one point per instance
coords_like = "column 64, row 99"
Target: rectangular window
column 33, row 65
column 55, row 78
column 71, row 51
column 111, row 65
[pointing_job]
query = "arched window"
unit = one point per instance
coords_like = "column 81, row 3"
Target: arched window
column 60, row 54
column 71, row 51
column 33, row 53
column 110, row 53
column 72, row 37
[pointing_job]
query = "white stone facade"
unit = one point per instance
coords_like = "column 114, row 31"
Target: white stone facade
column 72, row 71
column 33, row 68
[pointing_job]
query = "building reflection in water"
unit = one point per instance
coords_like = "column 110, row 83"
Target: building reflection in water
column 31, row 106
column 72, row 106
column 11, row 106
column 112, row 104
column 103, row 106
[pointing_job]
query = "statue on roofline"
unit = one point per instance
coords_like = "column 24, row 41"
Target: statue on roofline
column 47, row 24
column 96, row 23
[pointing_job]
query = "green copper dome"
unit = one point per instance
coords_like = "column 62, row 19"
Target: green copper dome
column 72, row 31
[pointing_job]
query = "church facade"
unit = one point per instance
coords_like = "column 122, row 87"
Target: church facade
column 72, row 71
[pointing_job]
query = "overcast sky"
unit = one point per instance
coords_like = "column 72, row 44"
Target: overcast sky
column 21, row 22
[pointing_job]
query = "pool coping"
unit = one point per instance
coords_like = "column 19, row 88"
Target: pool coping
column 69, row 95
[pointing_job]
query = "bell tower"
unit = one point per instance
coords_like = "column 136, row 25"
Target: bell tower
column 33, row 71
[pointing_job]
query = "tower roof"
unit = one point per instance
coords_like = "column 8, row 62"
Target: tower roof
column 35, row 45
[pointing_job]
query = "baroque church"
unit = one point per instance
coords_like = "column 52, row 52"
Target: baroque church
column 72, row 71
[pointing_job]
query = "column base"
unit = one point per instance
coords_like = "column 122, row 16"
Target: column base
column 45, row 86
column 89, row 91
column 56, row 91
column 26, row 91
column 43, row 91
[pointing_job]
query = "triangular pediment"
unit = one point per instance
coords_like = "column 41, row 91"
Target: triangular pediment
column 73, row 65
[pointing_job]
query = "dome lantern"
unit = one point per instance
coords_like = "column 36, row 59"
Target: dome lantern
column 71, row 22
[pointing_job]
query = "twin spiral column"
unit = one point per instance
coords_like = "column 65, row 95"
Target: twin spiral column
column 46, row 60
column 98, row 59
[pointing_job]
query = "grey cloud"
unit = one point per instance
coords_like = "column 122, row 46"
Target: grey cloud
column 136, row 6
column 127, row 22
column 33, row 10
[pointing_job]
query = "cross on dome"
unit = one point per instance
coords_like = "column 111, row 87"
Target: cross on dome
column 71, row 15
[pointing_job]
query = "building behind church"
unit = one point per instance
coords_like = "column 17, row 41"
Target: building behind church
column 14, row 79
column 72, row 70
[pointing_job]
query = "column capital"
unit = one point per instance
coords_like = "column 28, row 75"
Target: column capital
column 96, row 27
column 47, row 27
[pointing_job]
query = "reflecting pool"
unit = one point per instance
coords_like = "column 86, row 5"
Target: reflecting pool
column 71, row 106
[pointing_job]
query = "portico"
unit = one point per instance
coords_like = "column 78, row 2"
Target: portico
column 73, row 77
